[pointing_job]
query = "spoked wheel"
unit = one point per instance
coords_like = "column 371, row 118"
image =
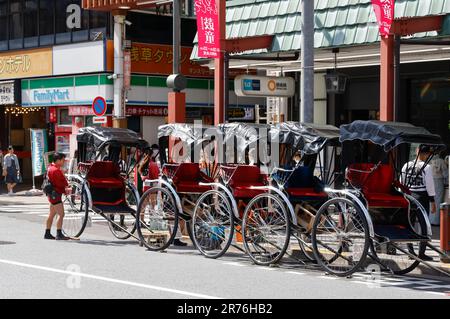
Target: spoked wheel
column 306, row 247
column 76, row 209
column 266, row 229
column 125, row 221
column 157, row 221
column 340, row 237
column 213, row 224
column 391, row 254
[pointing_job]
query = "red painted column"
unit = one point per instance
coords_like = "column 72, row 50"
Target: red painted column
column 387, row 79
column 177, row 107
column 219, row 82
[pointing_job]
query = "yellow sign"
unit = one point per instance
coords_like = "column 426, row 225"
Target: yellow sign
column 24, row 64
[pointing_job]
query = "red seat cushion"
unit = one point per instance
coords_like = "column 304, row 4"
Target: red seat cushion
column 188, row 177
column 305, row 192
column 377, row 185
column 191, row 187
column 105, row 182
column 104, row 174
column 243, row 190
column 244, row 178
column 386, row 200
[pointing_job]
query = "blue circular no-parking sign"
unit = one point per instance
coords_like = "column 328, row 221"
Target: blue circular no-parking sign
column 99, row 106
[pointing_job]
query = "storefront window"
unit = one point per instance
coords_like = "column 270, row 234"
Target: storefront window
column 30, row 15
column 3, row 24
column 430, row 101
column 15, row 25
column 34, row 23
column 64, row 118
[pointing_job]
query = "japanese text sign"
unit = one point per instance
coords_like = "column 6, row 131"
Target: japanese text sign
column 384, row 11
column 207, row 28
column 23, row 64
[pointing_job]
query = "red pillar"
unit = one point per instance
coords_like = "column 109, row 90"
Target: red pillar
column 219, row 83
column 387, row 79
column 177, row 107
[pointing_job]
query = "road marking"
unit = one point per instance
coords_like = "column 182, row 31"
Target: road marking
column 328, row 277
column 295, row 272
column 106, row 279
column 232, row 263
column 435, row 293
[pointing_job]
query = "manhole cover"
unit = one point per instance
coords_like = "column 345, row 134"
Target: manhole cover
column 7, row 242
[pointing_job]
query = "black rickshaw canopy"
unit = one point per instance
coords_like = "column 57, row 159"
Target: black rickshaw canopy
column 389, row 134
column 100, row 136
column 306, row 137
column 189, row 133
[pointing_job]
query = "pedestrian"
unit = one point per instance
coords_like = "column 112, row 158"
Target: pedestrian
column 1, row 166
column 440, row 175
column 418, row 176
column 59, row 185
column 11, row 170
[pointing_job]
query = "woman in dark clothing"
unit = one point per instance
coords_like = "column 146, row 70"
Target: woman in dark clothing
column 58, row 180
column 11, row 170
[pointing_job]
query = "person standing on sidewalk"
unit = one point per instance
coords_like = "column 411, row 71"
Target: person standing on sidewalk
column 59, row 184
column 11, row 170
column 440, row 175
column 419, row 177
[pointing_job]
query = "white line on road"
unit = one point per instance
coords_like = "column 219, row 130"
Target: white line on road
column 112, row 280
column 232, row 263
column 328, row 277
column 295, row 272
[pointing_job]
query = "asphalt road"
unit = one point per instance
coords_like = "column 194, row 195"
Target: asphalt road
column 100, row 266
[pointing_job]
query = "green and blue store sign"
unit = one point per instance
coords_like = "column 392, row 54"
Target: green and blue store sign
column 145, row 91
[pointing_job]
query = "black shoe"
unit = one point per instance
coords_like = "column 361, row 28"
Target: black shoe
column 179, row 243
column 425, row 257
column 62, row 237
column 49, row 236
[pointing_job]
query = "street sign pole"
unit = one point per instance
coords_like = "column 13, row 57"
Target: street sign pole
column 307, row 60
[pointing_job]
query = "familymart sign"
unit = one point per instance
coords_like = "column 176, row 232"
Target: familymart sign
column 52, row 96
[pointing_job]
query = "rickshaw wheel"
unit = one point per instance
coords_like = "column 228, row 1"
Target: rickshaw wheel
column 76, row 209
column 125, row 221
column 306, row 247
column 157, row 219
column 398, row 262
column 266, row 229
column 340, row 237
column 212, row 224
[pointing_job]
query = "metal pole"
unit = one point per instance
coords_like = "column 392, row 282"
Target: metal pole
column 176, row 36
column 396, row 77
column 226, row 89
column 119, row 112
column 307, row 60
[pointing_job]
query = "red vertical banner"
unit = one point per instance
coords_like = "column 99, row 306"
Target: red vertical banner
column 127, row 70
column 207, row 29
column 384, row 11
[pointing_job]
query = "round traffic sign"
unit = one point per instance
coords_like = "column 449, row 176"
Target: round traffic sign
column 99, row 106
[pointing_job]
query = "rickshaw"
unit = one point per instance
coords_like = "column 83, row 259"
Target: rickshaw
column 185, row 150
column 103, row 181
column 376, row 215
column 288, row 205
column 218, row 212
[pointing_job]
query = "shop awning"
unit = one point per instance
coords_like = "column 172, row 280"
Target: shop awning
column 109, row 5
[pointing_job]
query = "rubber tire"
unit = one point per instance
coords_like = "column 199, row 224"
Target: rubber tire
column 230, row 237
column 86, row 214
column 138, row 220
column 367, row 241
column 288, row 229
